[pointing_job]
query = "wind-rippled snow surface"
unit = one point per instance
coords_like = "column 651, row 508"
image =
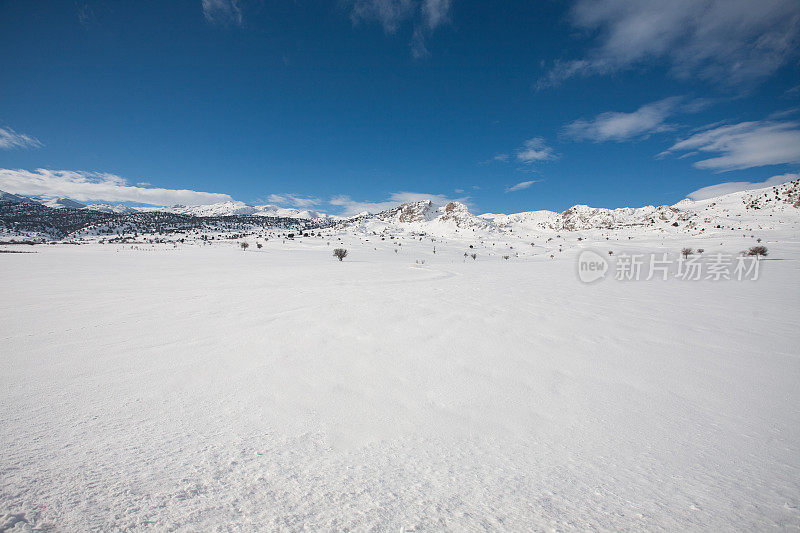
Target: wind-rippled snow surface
column 211, row 389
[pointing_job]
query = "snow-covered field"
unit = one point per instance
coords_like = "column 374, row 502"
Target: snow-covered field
column 209, row 388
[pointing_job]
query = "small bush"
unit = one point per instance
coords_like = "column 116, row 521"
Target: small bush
column 758, row 251
column 686, row 252
column 700, row 250
column 473, row 256
column 340, row 253
column 244, row 245
column 259, row 245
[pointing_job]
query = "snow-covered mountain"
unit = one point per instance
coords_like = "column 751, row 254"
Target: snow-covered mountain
column 689, row 214
column 213, row 210
column 759, row 209
column 108, row 208
column 61, row 203
column 288, row 212
column 232, row 208
column 425, row 211
column 8, row 198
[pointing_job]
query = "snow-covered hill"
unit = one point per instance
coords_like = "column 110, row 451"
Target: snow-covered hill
column 8, row 198
column 61, row 203
column 222, row 209
column 109, row 208
column 755, row 210
column 180, row 380
column 232, row 208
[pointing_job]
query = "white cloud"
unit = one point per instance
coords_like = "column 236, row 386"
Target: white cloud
column 735, row 186
column 744, row 145
column 535, row 149
column 85, row 13
column 418, row 47
column 353, row 207
column 389, row 13
column 426, row 16
column 435, row 12
column 293, row 199
column 617, row 126
column 521, row 185
column 223, row 12
column 729, row 41
column 10, row 139
column 86, row 186
column 783, row 113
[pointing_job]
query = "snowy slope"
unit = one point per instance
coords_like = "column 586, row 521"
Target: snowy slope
column 287, row 212
column 241, row 208
column 8, row 198
column 60, row 203
column 198, row 387
column 761, row 209
column 765, row 208
column 109, row 208
column 171, row 380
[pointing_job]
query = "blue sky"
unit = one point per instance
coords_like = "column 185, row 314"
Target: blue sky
column 344, row 105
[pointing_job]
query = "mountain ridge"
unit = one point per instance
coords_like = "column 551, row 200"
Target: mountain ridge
column 748, row 209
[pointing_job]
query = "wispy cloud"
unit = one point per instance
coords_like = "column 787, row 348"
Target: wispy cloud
column 85, row 13
column 618, row 126
column 389, row 13
column 783, row 113
column 352, row 207
column 223, row 12
column 736, row 186
column 535, row 149
column 521, row 185
column 727, row 41
column 85, row 186
column 10, row 140
column 293, row 200
column 426, row 17
column 744, row 145
column 436, row 12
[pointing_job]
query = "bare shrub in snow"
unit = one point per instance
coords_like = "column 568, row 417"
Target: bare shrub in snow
column 244, row 245
column 758, row 251
column 686, row 252
column 340, row 253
